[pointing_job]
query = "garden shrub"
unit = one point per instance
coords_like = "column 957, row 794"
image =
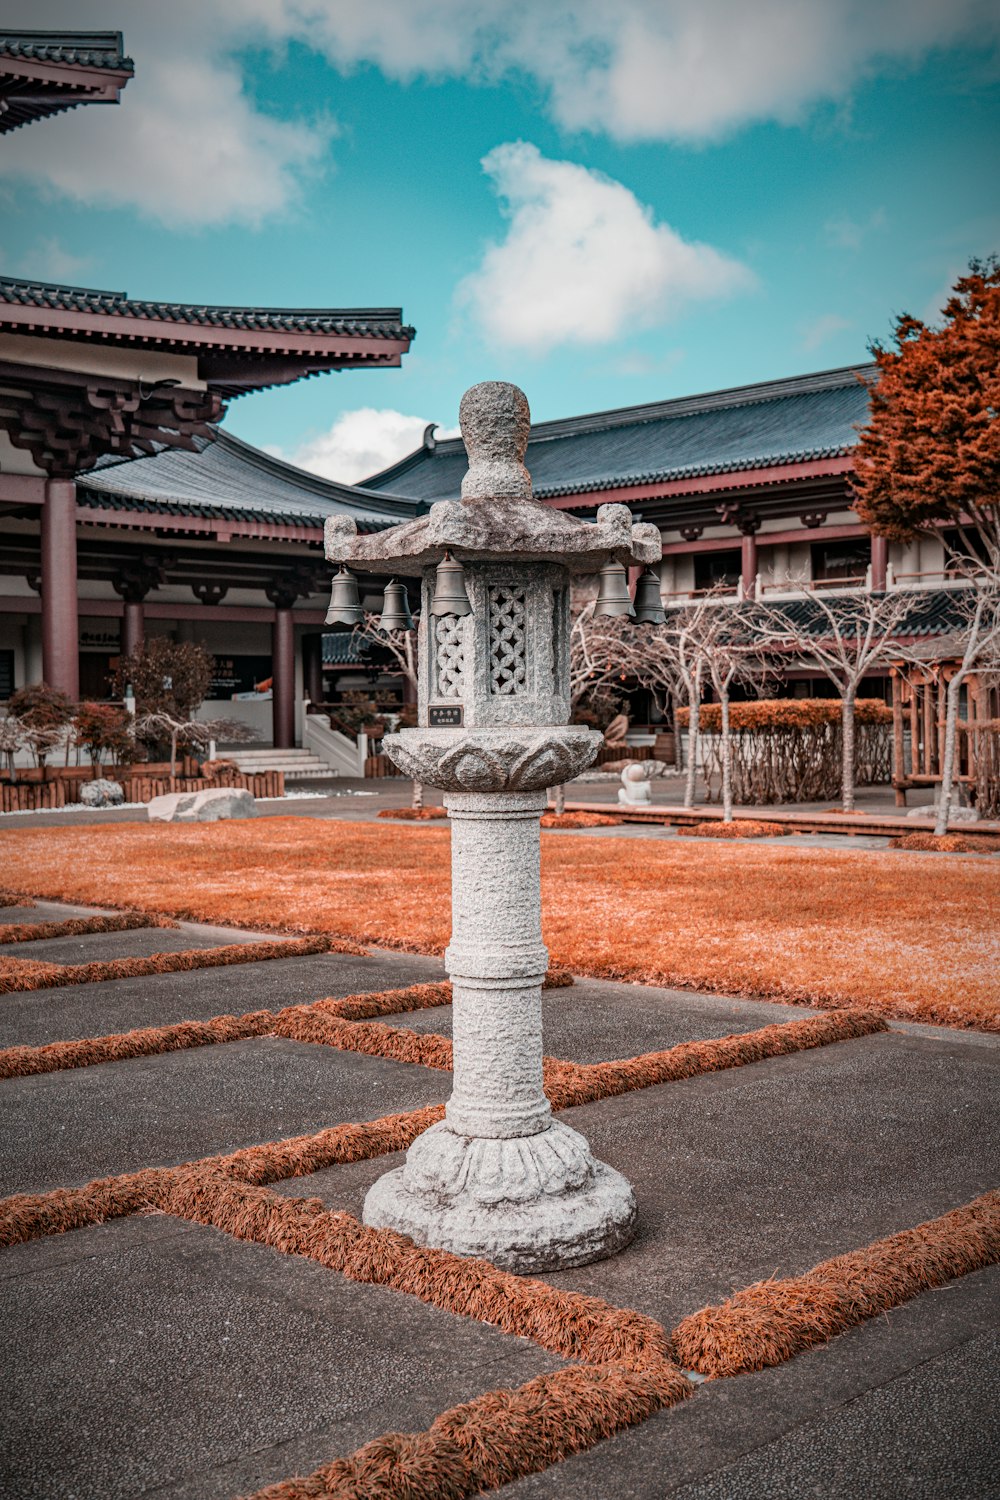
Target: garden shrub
column 789, row 749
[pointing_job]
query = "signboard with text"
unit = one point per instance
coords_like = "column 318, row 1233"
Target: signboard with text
column 238, row 674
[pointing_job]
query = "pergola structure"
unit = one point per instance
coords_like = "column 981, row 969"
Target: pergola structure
column 919, row 691
column 43, row 73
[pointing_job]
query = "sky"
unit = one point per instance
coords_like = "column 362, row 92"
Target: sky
column 607, row 204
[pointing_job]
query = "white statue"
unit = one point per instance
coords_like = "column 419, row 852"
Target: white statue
column 634, row 790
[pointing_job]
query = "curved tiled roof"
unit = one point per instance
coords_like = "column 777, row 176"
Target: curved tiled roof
column 778, row 422
column 87, row 49
column 228, row 478
column 930, row 613
column 45, row 72
column 372, row 322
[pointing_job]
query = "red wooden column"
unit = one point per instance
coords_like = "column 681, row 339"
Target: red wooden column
column 283, row 678
column 60, row 625
column 133, row 626
column 880, row 563
column 748, row 559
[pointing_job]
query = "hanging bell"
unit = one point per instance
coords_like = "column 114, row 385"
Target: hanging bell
column 648, row 604
column 345, row 607
column 450, row 597
column 613, row 597
column 395, row 609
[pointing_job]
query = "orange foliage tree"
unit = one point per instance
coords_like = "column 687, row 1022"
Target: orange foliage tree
column 930, row 455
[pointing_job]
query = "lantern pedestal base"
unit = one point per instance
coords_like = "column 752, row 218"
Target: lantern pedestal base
column 527, row 1203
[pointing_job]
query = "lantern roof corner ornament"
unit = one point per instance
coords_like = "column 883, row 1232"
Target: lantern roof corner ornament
column 497, row 517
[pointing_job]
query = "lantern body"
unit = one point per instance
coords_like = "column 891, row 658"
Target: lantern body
column 507, row 661
column 498, row 1177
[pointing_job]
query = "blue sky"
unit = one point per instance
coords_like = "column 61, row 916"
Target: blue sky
column 675, row 198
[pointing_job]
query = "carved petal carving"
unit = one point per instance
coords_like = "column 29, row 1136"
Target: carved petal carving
column 486, row 1170
column 472, row 761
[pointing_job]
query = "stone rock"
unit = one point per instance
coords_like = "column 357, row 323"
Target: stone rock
column 634, row 791
column 957, row 814
column 496, row 424
column 203, row 807
column 101, row 793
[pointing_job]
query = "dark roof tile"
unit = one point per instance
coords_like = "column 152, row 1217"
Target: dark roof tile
column 82, row 49
column 777, row 422
column 374, row 322
column 230, row 478
column 930, row 613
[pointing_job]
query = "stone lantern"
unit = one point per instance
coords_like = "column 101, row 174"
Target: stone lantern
column 498, row 1177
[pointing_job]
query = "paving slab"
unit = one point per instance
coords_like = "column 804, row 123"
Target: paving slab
column 98, row 947
column 63, row 1129
column 904, row 1405
column 594, row 1020
column 163, row 1358
column 767, row 1169
column 9, row 915
column 68, row 1012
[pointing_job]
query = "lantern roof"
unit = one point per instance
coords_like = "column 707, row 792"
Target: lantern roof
column 497, row 518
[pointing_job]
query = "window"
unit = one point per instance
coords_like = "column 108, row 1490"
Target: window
column 711, row 568
column 848, row 559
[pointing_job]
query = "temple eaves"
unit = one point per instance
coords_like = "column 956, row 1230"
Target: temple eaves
column 45, row 72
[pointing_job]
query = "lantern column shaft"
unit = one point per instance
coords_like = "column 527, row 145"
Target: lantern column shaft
column 497, row 962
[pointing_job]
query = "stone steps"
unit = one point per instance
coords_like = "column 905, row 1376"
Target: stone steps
column 297, row 765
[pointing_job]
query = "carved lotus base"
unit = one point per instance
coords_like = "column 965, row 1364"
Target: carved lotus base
column 494, row 760
column 531, row 1203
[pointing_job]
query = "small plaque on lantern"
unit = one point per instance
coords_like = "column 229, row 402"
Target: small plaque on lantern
column 445, row 715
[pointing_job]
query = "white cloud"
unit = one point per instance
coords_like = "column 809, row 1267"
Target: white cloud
column 583, row 260
column 820, row 330
column 361, row 443
column 648, row 69
column 188, row 145
column 639, row 362
column 50, row 261
column 850, row 234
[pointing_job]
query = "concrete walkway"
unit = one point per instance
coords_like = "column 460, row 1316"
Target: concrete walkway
column 149, row 1356
column 360, row 801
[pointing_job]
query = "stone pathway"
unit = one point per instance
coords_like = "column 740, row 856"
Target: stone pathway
column 152, row 1356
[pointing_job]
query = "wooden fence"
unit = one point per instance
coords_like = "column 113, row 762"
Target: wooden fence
column 381, row 765
column 34, row 796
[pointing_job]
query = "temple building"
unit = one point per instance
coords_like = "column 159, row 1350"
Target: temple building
column 749, row 486
column 124, row 507
column 127, row 510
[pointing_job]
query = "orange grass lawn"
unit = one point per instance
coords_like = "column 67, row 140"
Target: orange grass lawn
column 910, row 935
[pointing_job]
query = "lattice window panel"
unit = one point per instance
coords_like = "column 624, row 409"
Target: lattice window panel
column 450, row 655
column 508, row 646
